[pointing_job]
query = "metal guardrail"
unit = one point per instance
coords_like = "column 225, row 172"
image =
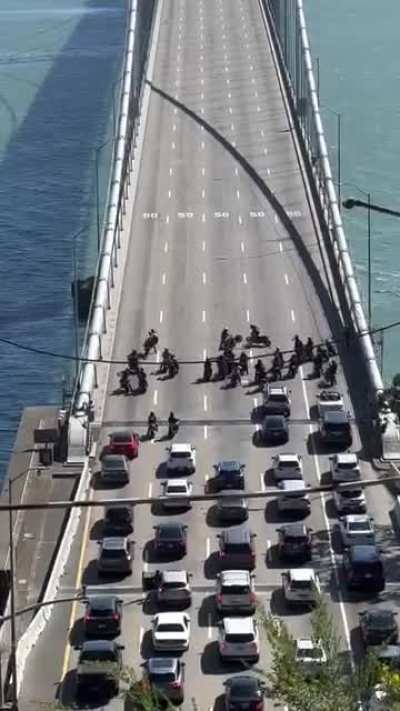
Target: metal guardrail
column 288, row 26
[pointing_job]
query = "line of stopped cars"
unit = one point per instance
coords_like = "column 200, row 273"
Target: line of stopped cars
column 235, row 589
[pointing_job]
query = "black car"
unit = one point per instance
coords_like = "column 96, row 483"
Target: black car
column 118, row 520
column 363, row 568
column 244, row 692
column 232, row 507
column 103, row 616
column 295, row 541
column 170, row 538
column 99, row 668
column 275, row 429
column 335, row 428
column 237, row 549
column 229, row 475
column 379, row 626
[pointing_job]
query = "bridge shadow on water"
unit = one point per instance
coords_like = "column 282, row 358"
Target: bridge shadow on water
column 47, row 177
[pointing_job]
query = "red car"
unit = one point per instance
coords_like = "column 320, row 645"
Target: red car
column 124, row 442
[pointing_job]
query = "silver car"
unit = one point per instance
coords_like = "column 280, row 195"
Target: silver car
column 235, row 592
column 174, row 588
column 239, row 639
column 114, row 469
column 115, row 556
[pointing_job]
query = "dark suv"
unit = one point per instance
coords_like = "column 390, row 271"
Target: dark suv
column 228, row 475
column 118, row 520
column 335, row 428
column 99, row 668
column 294, row 541
column 237, row 549
column 363, row 568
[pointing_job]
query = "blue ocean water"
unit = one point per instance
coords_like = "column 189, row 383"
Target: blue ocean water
column 59, row 66
column 357, row 45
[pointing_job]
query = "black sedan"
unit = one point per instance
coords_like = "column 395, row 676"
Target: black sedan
column 244, row 692
column 378, row 626
column 170, row 538
column 275, row 429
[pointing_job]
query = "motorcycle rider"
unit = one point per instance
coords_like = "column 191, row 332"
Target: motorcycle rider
column 124, row 382
column 142, row 378
column 293, row 366
column 165, row 359
column 299, row 347
column 278, row 361
column 330, row 348
column 207, row 371
column 173, row 366
column 321, row 350
column 152, row 425
column 133, row 360
column 330, row 373
column 223, row 337
column 222, row 366
column 173, row 424
column 244, row 363
column 235, row 376
column 254, row 332
column 317, row 361
column 259, row 372
column 308, row 348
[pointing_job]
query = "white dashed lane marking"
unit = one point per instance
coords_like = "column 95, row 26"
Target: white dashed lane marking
column 292, row 315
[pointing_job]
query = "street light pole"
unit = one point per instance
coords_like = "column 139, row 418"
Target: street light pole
column 76, row 311
column 97, row 152
column 369, row 263
column 14, row 701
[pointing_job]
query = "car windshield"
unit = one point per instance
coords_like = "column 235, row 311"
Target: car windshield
column 373, row 569
column 162, row 677
column 301, row 584
column 98, row 655
column 101, row 611
column 112, row 465
column 176, row 489
column 112, row 553
column 295, row 540
column 235, row 589
column 357, row 526
column 312, row 653
column 346, row 465
column 382, row 620
column 172, row 585
column 338, row 427
column 244, row 690
column 180, row 455
column 121, row 439
column 237, row 548
column 277, row 397
column 351, row 493
column 274, row 423
column 239, row 638
column 169, row 533
column 289, row 464
column 170, row 627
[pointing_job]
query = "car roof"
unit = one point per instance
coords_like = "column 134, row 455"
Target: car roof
column 162, row 665
column 229, row 465
column 335, row 416
column 356, row 518
column 235, row 577
column 171, row 617
column 238, row 625
column 102, row 602
column 114, row 542
column 183, row 447
column 364, row 553
column 288, row 457
column 346, row 458
column 237, row 534
column 379, row 613
column 176, row 482
column 277, row 389
column 304, row 643
column 94, row 645
column 174, row 576
column 292, row 484
column 302, row 574
column 297, row 528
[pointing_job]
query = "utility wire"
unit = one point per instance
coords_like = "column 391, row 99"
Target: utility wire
column 64, row 356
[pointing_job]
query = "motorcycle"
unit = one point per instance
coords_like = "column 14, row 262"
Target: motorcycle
column 330, row 348
column 207, row 372
column 292, row 370
column 173, row 427
column 173, row 367
column 330, row 376
column 149, row 344
column 235, row 378
column 258, row 340
column 152, row 430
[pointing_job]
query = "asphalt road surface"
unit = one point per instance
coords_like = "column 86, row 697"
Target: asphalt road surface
column 208, row 251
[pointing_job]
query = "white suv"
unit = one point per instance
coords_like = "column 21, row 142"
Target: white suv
column 239, row 639
column 301, row 586
column 287, row 466
column 345, row 467
column 182, row 459
column 235, row 592
column 294, row 497
column 176, row 494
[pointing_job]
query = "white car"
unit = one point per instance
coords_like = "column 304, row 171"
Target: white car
column 239, row 639
column 287, row 466
column 177, row 494
column 310, row 655
column 329, row 401
column 350, row 500
column 294, row 498
column 345, row 467
column 171, row 631
column 301, row 586
column 181, row 459
column 357, row 529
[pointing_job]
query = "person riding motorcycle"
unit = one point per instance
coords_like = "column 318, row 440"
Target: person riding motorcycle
column 222, row 366
column 323, row 353
column 207, row 372
column 235, row 375
column 317, row 361
column 223, row 337
column 293, row 365
column 299, row 347
column 278, row 360
column 152, row 425
column 308, row 348
column 330, row 373
column 133, row 360
column 173, row 366
column 330, row 348
column 244, row 363
column 259, row 372
column 173, row 424
column 142, row 378
column 124, row 382
column 165, row 357
column 254, row 332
